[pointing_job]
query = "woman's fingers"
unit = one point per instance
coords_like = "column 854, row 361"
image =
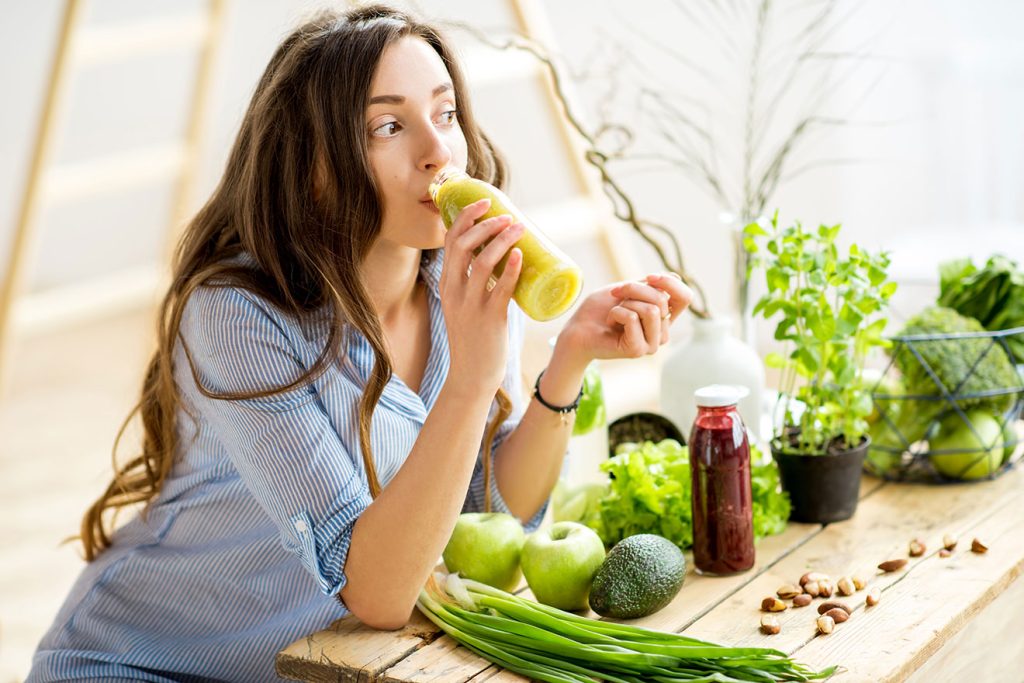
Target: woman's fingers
column 641, row 291
column 632, row 341
column 650, row 322
column 679, row 295
column 464, row 222
column 505, row 287
column 487, row 260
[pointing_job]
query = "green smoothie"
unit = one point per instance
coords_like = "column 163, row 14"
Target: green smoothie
column 549, row 282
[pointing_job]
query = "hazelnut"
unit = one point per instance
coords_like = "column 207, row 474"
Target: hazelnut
column 812, row 576
column 825, row 625
column 846, row 586
column 945, row 552
column 949, row 541
column 826, row 606
column 917, row 547
column 788, row 591
column 772, row 605
column 802, row 600
column 825, row 588
column 859, row 582
column 838, row 615
column 770, row 625
column 978, row 547
column 873, row 597
column 811, row 588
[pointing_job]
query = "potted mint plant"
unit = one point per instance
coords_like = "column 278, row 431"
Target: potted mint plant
column 829, row 309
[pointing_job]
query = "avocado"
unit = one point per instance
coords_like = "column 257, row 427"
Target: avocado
column 640, row 575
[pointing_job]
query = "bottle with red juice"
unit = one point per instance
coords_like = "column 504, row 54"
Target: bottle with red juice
column 723, row 516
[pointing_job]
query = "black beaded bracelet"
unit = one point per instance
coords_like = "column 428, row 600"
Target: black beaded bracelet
column 561, row 410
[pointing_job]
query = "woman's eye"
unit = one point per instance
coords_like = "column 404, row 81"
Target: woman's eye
column 387, row 130
column 448, row 117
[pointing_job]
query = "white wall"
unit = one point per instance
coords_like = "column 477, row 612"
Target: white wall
column 947, row 161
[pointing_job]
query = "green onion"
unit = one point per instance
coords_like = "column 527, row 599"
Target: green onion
column 548, row 644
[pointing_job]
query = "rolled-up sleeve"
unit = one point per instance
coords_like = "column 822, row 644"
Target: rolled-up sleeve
column 284, row 446
column 512, row 383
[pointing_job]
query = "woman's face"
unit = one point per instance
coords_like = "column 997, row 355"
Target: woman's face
column 413, row 132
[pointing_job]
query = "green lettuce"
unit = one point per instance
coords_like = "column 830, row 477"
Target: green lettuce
column 649, row 493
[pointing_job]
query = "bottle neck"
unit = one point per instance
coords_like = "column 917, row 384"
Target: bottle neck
column 716, row 410
column 443, row 176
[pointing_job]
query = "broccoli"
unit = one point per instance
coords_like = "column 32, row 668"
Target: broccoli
column 955, row 362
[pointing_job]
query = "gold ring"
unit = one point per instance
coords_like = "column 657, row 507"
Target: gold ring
column 666, row 316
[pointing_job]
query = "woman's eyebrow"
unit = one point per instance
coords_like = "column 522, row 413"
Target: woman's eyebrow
column 399, row 99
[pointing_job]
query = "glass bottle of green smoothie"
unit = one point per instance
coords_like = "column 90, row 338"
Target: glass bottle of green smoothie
column 549, row 282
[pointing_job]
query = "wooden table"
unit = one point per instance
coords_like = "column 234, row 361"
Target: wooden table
column 939, row 619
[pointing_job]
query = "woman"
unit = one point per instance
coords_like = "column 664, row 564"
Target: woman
column 326, row 368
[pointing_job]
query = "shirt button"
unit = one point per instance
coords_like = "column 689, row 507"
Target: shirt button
column 300, row 526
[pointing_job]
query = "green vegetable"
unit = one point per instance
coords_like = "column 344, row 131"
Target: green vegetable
column 829, row 308
column 547, row 644
column 649, row 493
column 640, row 575
column 971, row 449
column 967, row 367
column 994, row 295
column 590, row 413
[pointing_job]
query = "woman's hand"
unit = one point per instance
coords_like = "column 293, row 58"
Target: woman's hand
column 625, row 320
column 477, row 317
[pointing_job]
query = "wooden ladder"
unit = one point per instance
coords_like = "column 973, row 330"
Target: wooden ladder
column 81, row 47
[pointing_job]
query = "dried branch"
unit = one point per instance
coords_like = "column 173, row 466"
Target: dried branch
column 623, row 207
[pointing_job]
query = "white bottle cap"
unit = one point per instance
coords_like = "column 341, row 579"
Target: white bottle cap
column 720, row 395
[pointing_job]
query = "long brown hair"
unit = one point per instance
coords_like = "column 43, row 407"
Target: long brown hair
column 305, row 122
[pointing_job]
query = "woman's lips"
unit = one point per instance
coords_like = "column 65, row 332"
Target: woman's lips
column 429, row 205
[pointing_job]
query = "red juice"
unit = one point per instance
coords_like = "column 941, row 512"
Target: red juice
column 723, row 517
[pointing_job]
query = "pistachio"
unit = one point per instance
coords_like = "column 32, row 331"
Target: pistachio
column 812, row 576
column 832, row 604
column 978, row 547
column 859, row 582
column 825, row 588
column 802, row 600
column 846, row 586
column 811, row 588
column 893, row 565
column 825, row 625
column 945, row 552
column 838, row 615
column 772, row 605
column 917, row 547
column 949, row 541
column 770, row 625
column 873, row 597
column 788, row 591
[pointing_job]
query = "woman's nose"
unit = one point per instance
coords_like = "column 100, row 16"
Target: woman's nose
column 436, row 153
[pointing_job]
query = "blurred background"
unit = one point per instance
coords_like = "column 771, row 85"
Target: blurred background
column 899, row 120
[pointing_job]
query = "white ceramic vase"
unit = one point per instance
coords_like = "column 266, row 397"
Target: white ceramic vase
column 713, row 355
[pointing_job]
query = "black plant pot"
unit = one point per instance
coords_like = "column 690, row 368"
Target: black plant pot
column 822, row 488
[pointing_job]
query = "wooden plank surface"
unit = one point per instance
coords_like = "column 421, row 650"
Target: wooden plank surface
column 882, row 529
column 350, row 651
column 923, row 608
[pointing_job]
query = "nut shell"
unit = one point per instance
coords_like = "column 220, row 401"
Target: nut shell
column 893, row 565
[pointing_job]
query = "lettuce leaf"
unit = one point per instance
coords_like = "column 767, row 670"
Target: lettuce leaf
column 649, row 493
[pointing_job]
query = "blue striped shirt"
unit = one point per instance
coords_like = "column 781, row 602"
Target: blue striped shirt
column 240, row 553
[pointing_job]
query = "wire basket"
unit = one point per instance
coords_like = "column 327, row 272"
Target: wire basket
column 962, row 421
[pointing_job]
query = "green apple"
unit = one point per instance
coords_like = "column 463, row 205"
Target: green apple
column 560, row 563
column 970, row 455
column 1010, row 439
column 485, row 547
